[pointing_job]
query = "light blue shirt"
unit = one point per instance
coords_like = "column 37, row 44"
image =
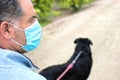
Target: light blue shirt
column 15, row 66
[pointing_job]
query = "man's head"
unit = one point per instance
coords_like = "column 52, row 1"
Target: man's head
column 10, row 9
column 13, row 14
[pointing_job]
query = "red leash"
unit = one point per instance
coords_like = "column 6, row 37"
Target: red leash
column 70, row 66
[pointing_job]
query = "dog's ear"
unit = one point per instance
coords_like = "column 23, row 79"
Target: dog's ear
column 76, row 41
column 89, row 41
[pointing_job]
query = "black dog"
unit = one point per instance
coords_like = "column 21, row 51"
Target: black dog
column 81, row 68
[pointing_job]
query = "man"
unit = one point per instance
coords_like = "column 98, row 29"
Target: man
column 20, row 32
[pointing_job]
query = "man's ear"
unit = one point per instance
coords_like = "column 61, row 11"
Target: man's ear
column 6, row 30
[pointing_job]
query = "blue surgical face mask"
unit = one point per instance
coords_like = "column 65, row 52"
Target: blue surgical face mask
column 33, row 37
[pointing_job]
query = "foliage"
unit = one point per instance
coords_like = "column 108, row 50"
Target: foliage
column 43, row 8
column 63, row 4
column 46, row 9
column 76, row 4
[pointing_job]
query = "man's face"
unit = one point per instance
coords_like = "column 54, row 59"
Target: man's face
column 26, row 20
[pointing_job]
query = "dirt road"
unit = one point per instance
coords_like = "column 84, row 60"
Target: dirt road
column 101, row 23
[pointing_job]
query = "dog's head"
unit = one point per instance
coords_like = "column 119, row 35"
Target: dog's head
column 83, row 44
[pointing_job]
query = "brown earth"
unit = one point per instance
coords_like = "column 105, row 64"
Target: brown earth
column 100, row 22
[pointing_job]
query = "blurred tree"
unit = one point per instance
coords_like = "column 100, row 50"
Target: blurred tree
column 43, row 7
column 63, row 4
column 76, row 4
column 46, row 9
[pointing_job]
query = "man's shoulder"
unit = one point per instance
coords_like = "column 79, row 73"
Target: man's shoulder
column 19, row 73
column 6, row 51
column 14, row 66
column 28, row 74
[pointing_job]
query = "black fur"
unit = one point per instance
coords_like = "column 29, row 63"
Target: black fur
column 82, row 67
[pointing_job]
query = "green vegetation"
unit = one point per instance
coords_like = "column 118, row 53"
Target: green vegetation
column 47, row 9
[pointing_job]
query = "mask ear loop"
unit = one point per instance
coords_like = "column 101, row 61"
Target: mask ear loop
column 17, row 42
column 13, row 39
column 16, row 26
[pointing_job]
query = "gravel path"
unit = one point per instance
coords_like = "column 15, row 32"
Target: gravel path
column 100, row 22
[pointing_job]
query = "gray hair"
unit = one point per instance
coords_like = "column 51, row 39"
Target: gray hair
column 10, row 10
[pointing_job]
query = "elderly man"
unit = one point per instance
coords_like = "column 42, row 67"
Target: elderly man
column 20, row 32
